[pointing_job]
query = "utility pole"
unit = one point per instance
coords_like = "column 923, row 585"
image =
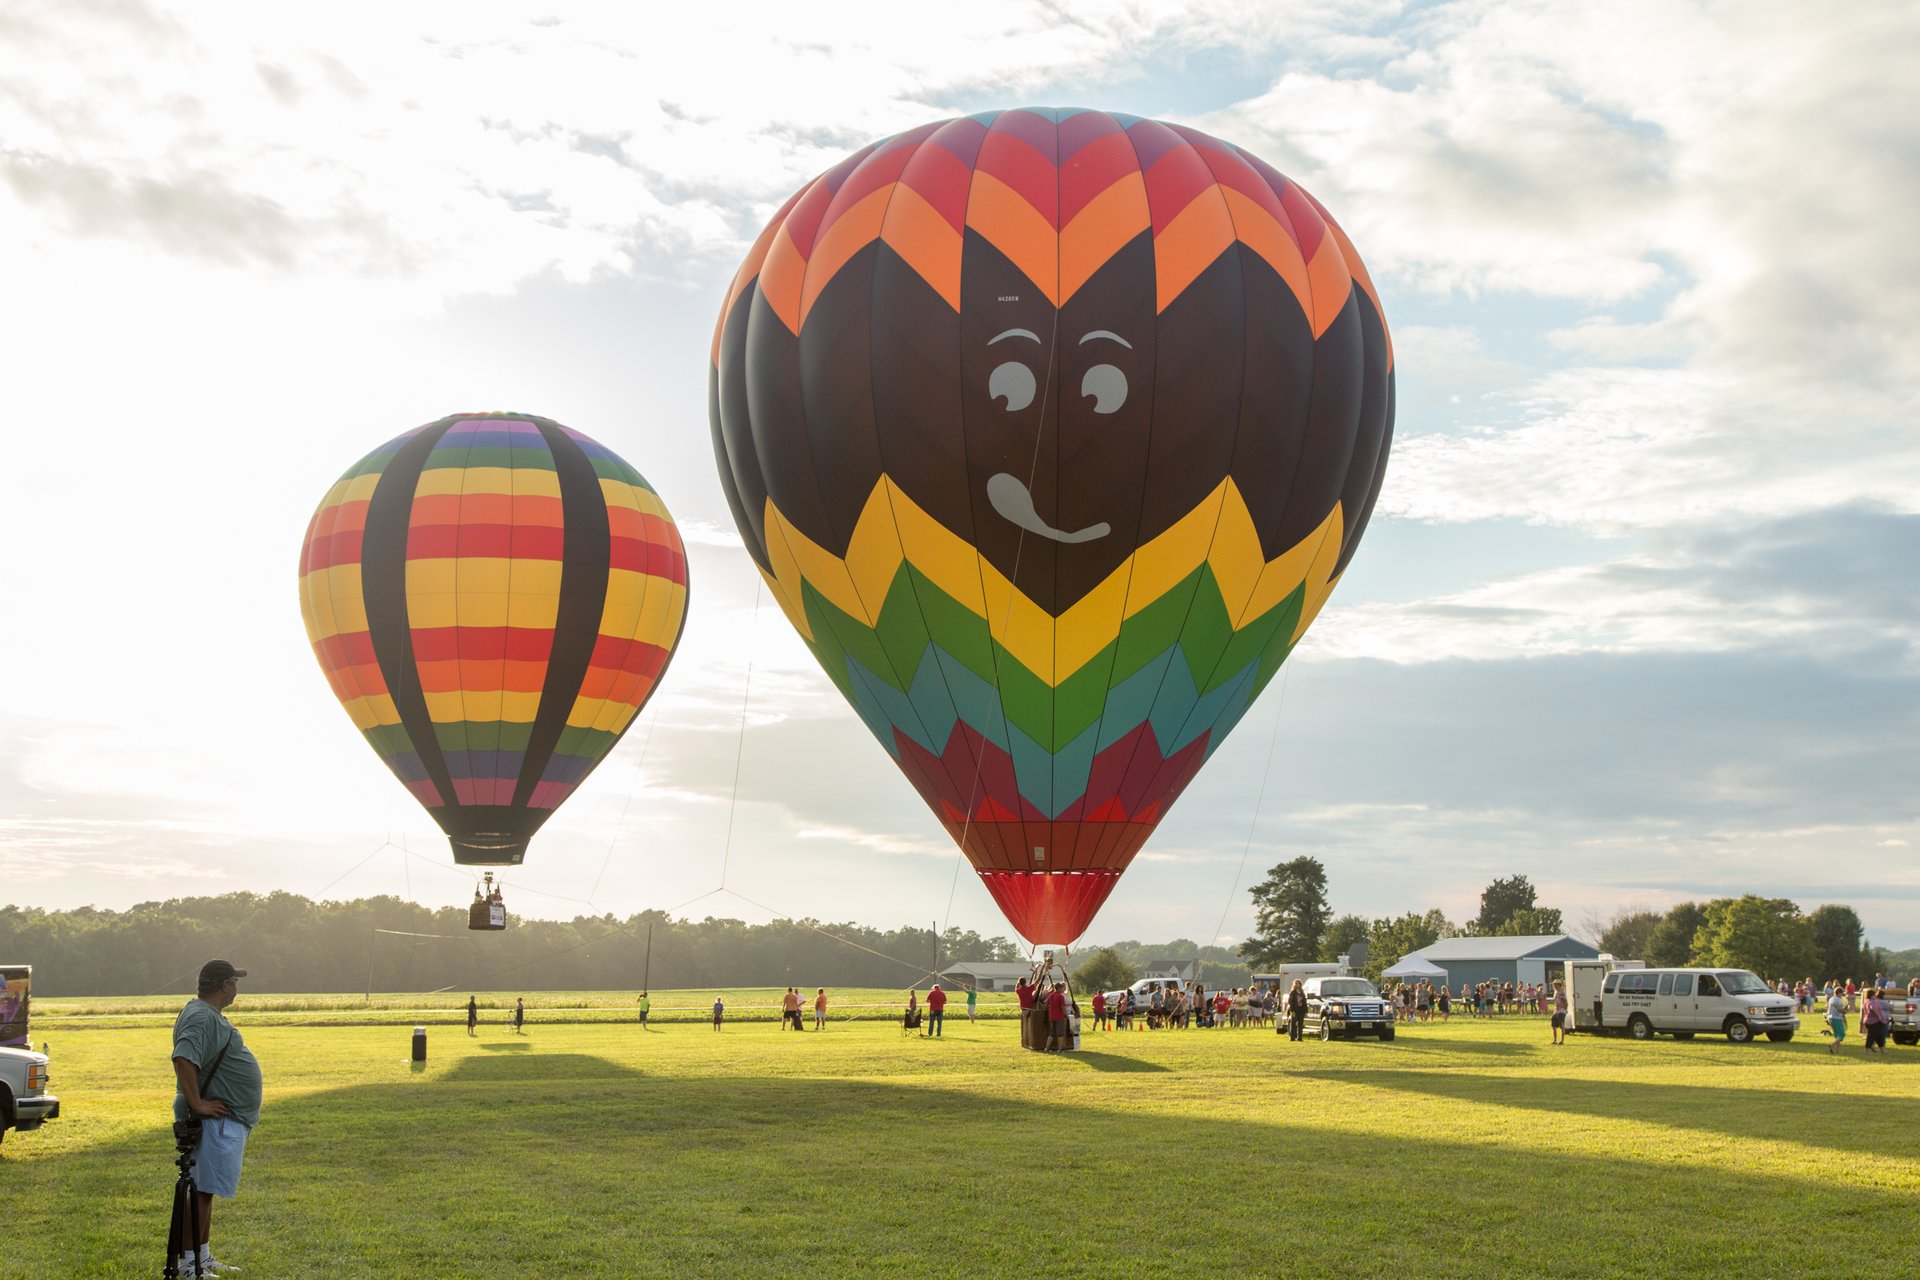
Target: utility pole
column 933, row 927
column 646, row 969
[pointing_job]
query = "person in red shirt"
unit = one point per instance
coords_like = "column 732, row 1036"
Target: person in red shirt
column 1100, row 1010
column 1059, row 1035
column 936, row 1008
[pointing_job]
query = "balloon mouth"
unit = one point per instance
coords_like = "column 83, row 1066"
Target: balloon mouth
column 488, row 849
column 1014, row 502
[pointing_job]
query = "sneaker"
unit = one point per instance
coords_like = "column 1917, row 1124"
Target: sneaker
column 214, row 1267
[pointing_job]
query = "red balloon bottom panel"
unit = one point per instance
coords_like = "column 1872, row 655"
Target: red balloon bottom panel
column 1050, row 906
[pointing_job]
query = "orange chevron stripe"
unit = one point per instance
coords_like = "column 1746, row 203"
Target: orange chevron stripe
column 853, row 230
column 782, row 277
column 751, row 267
column 1197, row 236
column 1332, row 284
column 925, row 241
column 1102, row 227
column 1017, row 229
column 1257, row 230
column 1358, row 269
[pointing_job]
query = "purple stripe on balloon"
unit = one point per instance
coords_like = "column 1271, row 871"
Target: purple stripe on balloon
column 483, row 790
column 485, row 764
column 513, row 426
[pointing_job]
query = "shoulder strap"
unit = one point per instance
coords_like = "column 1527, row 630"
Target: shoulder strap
column 218, row 1058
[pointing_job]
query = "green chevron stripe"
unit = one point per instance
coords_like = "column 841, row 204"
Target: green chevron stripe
column 1191, row 618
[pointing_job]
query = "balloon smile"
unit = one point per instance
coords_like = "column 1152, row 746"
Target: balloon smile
column 1012, row 500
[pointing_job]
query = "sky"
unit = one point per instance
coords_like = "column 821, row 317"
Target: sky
column 1635, row 616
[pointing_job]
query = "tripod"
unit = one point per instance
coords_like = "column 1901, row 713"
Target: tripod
column 183, row 1232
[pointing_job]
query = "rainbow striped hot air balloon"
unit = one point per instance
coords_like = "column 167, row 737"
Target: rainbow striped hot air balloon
column 1051, row 432
column 493, row 597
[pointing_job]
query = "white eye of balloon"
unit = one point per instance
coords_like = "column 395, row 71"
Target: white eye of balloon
column 1012, row 383
column 1106, row 386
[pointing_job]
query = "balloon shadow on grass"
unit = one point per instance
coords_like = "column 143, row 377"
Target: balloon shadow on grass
column 571, row 1164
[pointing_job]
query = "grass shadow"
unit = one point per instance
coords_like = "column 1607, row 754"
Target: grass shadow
column 511, row 1046
column 568, row 1163
column 1729, row 1111
column 1113, row 1062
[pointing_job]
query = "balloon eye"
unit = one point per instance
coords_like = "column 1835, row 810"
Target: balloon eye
column 1013, row 383
column 1106, row 386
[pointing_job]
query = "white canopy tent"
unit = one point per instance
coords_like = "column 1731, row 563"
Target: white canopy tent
column 1415, row 966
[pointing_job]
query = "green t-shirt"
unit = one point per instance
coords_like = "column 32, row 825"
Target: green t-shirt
column 646, row 1003
column 199, row 1033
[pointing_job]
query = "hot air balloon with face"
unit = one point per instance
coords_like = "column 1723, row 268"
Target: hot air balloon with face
column 493, row 597
column 1051, row 431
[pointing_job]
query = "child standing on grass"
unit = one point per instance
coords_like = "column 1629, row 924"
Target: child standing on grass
column 1836, row 1018
column 973, row 1001
column 719, row 1009
column 820, row 1009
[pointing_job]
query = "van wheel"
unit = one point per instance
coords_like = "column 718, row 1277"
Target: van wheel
column 1639, row 1028
column 1779, row 1037
column 1914, row 1039
column 1387, row 1034
column 1738, row 1031
column 1326, row 1030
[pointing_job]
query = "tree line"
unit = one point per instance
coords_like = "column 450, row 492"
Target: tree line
column 1771, row 936
column 288, row 943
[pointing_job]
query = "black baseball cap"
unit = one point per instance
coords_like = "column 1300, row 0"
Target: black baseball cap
column 215, row 972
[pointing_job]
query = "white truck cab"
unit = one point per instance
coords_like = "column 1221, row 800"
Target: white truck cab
column 1681, row 1002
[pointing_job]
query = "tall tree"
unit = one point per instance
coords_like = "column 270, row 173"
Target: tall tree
column 1389, row 941
column 1670, row 945
column 1105, row 970
column 1627, row 934
column 1340, row 936
column 1531, row 921
column 1290, row 914
column 1838, row 940
column 1499, row 902
column 1766, row 935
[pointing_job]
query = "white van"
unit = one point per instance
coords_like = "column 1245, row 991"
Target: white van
column 1681, row 1002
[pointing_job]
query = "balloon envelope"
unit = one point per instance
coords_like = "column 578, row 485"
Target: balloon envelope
column 492, row 597
column 1051, row 431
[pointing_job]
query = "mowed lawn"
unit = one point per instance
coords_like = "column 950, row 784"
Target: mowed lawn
column 1471, row 1149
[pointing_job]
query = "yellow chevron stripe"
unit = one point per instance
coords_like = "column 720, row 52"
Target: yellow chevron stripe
column 892, row 528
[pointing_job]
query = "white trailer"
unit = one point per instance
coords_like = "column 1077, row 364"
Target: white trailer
column 1584, row 979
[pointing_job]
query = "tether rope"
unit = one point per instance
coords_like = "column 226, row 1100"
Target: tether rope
column 1266, row 773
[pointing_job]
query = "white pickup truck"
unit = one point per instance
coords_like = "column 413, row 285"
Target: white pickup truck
column 24, row 1100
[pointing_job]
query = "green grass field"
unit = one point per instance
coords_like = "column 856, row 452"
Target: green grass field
column 593, row 1148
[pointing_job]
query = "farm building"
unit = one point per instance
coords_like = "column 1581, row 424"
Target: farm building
column 1522, row 959
column 983, row 975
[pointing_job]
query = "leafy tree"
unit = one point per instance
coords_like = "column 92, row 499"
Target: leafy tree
column 1500, row 901
column 1671, row 942
column 1838, row 940
column 1627, row 934
column 1530, row 922
column 1766, row 935
column 1105, row 970
column 1290, row 914
column 1389, row 941
column 1340, row 936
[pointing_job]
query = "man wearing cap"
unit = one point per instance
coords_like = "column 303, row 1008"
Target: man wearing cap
column 219, row 1081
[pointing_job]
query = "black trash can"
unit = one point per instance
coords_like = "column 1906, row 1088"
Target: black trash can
column 419, row 1044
